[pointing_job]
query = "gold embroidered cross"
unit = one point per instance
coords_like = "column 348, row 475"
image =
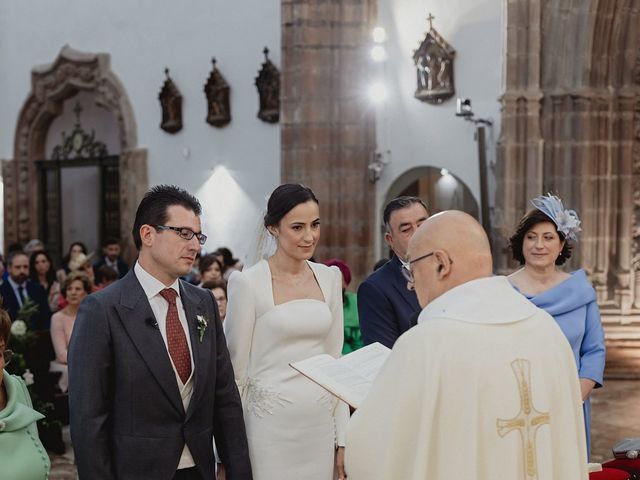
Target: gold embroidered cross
column 527, row 421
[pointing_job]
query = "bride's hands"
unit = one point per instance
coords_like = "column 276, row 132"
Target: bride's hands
column 340, row 463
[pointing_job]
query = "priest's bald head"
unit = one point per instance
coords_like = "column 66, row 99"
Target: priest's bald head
column 449, row 249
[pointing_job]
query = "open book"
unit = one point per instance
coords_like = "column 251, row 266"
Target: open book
column 350, row 377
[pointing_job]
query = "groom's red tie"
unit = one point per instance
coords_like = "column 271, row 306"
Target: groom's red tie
column 176, row 338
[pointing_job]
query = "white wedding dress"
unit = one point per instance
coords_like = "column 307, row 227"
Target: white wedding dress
column 293, row 425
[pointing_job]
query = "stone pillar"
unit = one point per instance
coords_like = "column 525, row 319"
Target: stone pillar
column 134, row 183
column 575, row 68
column 328, row 132
column 520, row 147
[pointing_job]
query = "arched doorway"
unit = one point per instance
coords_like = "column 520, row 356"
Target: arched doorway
column 437, row 187
column 72, row 72
column 79, row 181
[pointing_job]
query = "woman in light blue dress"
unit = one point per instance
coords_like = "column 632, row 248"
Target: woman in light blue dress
column 542, row 242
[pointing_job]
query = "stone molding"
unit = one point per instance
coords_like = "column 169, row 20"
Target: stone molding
column 71, row 72
column 327, row 132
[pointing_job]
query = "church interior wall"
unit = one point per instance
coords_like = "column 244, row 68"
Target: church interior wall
column 420, row 134
column 142, row 38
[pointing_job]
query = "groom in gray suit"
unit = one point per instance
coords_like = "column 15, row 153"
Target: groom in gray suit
column 151, row 382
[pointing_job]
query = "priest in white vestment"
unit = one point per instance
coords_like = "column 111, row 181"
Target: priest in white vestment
column 484, row 387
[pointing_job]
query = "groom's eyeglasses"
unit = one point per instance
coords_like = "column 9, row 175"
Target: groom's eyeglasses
column 184, row 233
column 7, row 355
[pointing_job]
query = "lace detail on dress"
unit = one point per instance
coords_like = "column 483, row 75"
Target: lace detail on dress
column 261, row 401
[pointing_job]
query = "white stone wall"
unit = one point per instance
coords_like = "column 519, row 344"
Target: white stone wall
column 142, row 38
column 420, row 134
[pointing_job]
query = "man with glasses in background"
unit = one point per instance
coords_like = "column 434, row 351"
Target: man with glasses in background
column 386, row 307
column 485, row 385
column 151, row 381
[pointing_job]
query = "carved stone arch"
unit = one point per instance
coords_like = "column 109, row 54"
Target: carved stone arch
column 71, row 72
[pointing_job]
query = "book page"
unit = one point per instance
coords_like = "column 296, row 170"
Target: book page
column 349, row 377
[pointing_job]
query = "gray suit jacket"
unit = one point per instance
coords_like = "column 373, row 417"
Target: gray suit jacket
column 127, row 417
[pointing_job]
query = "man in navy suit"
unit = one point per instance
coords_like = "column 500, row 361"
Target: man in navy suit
column 152, row 381
column 111, row 258
column 18, row 288
column 386, row 307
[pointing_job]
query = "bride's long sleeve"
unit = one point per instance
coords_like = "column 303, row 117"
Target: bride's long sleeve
column 238, row 326
column 336, row 340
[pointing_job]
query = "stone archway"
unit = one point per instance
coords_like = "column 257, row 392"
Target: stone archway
column 571, row 125
column 439, row 189
column 71, row 72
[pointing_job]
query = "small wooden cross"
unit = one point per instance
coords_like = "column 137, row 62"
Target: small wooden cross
column 431, row 18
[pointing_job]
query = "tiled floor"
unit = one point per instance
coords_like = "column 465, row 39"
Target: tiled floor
column 616, row 415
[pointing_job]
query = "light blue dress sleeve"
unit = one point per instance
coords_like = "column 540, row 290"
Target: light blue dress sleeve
column 592, row 349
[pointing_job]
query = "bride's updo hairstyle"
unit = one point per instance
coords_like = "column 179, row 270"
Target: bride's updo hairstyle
column 285, row 198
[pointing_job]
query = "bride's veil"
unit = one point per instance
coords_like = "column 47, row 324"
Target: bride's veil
column 263, row 244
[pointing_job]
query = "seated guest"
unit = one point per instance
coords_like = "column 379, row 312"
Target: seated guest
column 19, row 288
column 542, row 243
column 76, row 287
column 385, row 307
column 76, row 248
column 229, row 264
column 352, row 337
column 219, row 292
column 81, row 263
column 110, row 258
column 210, row 269
column 107, row 275
column 483, row 388
column 41, row 271
column 33, row 246
column 22, row 455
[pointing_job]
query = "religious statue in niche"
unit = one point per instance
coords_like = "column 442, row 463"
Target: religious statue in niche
column 268, row 83
column 434, row 67
column 171, row 103
column 217, row 91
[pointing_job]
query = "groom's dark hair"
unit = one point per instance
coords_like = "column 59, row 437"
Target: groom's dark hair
column 153, row 207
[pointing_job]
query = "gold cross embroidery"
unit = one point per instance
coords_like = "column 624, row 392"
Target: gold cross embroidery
column 527, row 421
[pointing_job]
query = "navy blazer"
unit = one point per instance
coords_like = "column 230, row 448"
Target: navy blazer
column 127, row 417
column 386, row 307
column 37, row 294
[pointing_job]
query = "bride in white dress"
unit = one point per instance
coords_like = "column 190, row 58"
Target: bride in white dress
column 283, row 310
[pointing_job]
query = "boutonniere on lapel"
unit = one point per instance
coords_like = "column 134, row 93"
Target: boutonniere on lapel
column 203, row 323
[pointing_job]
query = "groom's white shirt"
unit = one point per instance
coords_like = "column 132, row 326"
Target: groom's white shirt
column 152, row 288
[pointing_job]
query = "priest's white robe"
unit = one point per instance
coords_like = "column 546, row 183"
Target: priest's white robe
column 483, row 372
